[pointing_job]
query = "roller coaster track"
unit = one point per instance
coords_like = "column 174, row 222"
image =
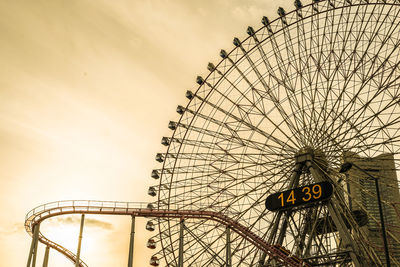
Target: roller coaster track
column 137, row 209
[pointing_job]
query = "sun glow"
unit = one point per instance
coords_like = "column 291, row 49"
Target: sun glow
column 64, row 230
column 87, row 89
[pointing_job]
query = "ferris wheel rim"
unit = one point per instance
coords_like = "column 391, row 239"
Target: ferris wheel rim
column 238, row 60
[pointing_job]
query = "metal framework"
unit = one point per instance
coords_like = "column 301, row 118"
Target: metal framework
column 284, row 108
column 137, row 209
column 323, row 78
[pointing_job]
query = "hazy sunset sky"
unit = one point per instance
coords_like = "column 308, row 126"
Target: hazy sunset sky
column 86, row 92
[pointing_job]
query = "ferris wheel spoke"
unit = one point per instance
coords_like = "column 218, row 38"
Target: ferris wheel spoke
column 344, row 140
column 253, row 103
column 360, row 62
column 234, row 197
column 304, row 72
column 364, row 148
column 209, row 145
column 333, row 41
column 298, row 70
column 365, row 122
column 306, row 52
column 323, row 77
column 320, row 61
column 280, row 63
column 247, row 125
column 206, row 246
column 234, row 139
column 200, row 198
column 281, row 82
column 342, row 56
column 296, row 125
column 382, row 129
column 354, row 114
column 348, row 136
column 267, row 93
column 312, row 46
column 284, row 55
column 239, row 246
column 360, row 31
column 232, row 168
column 255, row 220
column 232, row 201
column 250, row 254
column 191, row 243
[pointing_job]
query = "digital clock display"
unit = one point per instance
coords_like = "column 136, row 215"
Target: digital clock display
column 299, row 196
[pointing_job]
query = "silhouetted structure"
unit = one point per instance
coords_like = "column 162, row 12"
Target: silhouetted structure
column 363, row 197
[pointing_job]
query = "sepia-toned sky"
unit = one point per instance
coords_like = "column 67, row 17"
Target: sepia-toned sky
column 86, row 92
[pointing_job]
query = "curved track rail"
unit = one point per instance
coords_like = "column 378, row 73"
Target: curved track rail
column 137, row 209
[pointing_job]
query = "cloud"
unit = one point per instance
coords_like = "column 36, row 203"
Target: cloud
column 17, row 228
column 88, row 222
column 14, row 229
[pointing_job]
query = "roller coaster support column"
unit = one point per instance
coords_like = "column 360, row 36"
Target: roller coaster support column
column 131, row 243
column 34, row 245
column 180, row 259
column 46, row 257
column 80, row 241
column 228, row 247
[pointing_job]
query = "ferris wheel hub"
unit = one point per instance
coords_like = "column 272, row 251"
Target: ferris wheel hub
column 308, row 154
column 305, row 154
column 281, row 111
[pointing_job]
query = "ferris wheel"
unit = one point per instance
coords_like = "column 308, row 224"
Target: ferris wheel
column 282, row 111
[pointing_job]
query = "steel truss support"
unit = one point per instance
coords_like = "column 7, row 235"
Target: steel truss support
column 228, row 247
column 180, row 257
column 46, row 257
column 305, row 159
column 34, row 245
column 78, row 253
column 294, row 181
column 338, row 220
column 131, row 243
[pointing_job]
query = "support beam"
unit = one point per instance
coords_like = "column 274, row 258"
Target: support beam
column 228, row 247
column 180, row 259
column 301, row 237
column 314, row 218
column 35, row 250
column 294, row 181
column 131, row 243
column 78, row 253
column 46, row 257
column 338, row 220
column 34, row 245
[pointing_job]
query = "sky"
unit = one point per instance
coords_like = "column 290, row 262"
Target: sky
column 86, row 92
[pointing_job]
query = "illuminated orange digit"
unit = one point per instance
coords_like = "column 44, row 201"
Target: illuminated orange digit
column 291, row 197
column 307, row 193
column 318, row 192
column 281, row 197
